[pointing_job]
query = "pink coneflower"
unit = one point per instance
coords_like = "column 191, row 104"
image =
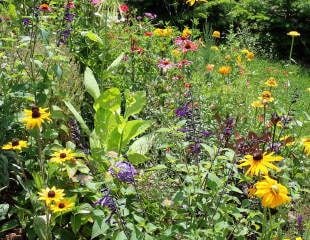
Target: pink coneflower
column 179, row 41
column 188, row 45
column 184, row 63
column 123, row 8
column 70, row 5
column 165, row 64
column 95, row 2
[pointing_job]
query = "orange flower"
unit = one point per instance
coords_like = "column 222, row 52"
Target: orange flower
column 44, row 7
column 225, row 70
column 209, row 67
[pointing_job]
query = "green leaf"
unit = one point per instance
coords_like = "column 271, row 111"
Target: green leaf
column 92, row 36
column 4, row 208
column 117, row 61
column 110, row 100
column 9, row 225
column 121, row 236
column 91, row 84
column 133, row 129
column 78, row 117
column 40, row 228
column 135, row 102
column 99, row 228
column 4, row 174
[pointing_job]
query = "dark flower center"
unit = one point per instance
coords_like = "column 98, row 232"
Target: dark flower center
column 257, row 156
column 187, row 46
column 15, row 142
column 61, row 205
column 63, row 155
column 35, row 112
column 51, row 194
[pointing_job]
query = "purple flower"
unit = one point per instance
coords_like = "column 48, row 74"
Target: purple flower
column 63, row 36
column 26, row 21
column 123, row 171
column 195, row 148
column 107, row 201
column 150, row 16
column 184, row 111
column 206, row 133
column 69, row 17
column 275, row 147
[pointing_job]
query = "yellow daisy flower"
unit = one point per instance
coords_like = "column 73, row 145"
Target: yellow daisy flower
column 257, row 104
column 260, row 163
column 62, row 155
column 287, row 140
column 266, row 97
column 293, row 34
column 225, row 70
column 163, row 32
column 63, row 205
column 216, row 34
column 245, row 51
column 15, row 144
column 272, row 193
column 50, row 195
column 250, row 56
column 35, row 117
column 306, row 144
column 271, row 82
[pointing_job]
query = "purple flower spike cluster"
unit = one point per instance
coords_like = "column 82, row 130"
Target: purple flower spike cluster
column 107, row 201
column 123, row 171
column 67, row 22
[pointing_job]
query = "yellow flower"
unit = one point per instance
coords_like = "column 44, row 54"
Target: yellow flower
column 216, row 34
column 287, row 140
column 50, row 195
column 192, row 2
column 266, row 97
column 245, row 51
column 15, row 145
column 257, row 104
column 298, row 238
column 167, row 202
column 306, row 143
column 62, row 155
column 176, row 53
column 250, row 56
column 160, row 32
column 63, row 205
column 239, row 60
column 214, row 48
column 251, row 191
column 186, row 32
column 271, row 82
column 35, row 117
column 293, row 34
column 272, row 193
column 225, row 70
column 259, row 163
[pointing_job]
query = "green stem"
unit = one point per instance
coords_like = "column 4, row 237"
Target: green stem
column 291, row 51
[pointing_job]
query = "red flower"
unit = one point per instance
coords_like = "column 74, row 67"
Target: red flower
column 148, row 34
column 70, row 5
column 123, row 8
column 45, row 8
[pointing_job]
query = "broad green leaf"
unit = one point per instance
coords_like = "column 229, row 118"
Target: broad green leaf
column 133, row 129
column 40, row 228
column 9, row 225
column 78, row 117
column 99, row 228
column 4, row 208
column 134, row 103
column 4, row 174
column 110, row 100
column 92, row 36
column 114, row 140
column 137, row 158
column 117, row 61
column 91, row 84
column 121, row 236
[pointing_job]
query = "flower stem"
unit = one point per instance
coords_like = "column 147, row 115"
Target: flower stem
column 291, row 51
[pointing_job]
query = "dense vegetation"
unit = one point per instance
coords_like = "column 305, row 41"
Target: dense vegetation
column 118, row 123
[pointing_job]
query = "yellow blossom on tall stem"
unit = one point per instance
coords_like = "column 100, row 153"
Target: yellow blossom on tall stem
column 260, row 163
column 306, row 144
column 257, row 104
column 15, row 144
column 272, row 193
column 266, row 97
column 35, row 117
column 216, row 34
column 250, row 56
column 50, row 195
column 62, row 156
column 63, row 205
column 271, row 82
column 293, row 34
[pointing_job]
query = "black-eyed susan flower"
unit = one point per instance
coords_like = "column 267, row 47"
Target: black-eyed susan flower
column 15, row 144
column 216, row 34
column 250, row 56
column 272, row 193
column 35, row 117
column 306, row 144
column 224, row 70
column 271, row 82
column 62, row 155
column 266, row 97
column 260, row 163
column 63, row 205
column 50, row 195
